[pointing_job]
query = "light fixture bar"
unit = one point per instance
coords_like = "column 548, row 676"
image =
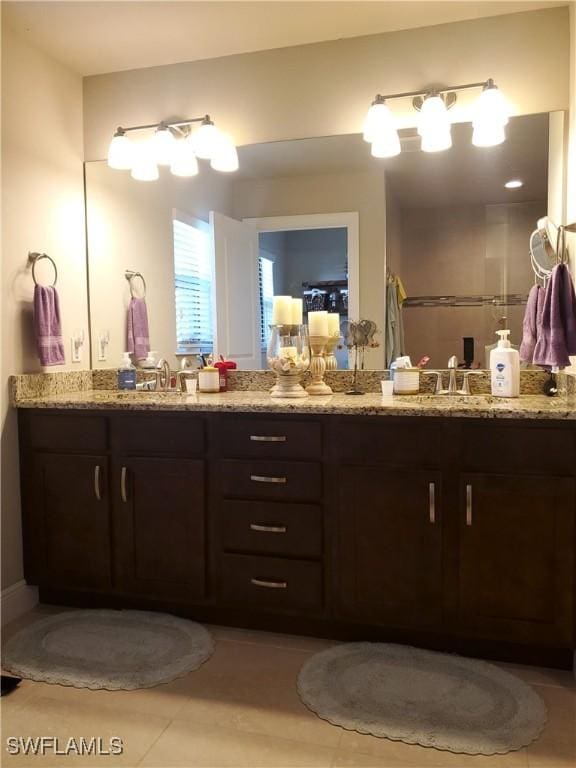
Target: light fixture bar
column 409, row 94
column 164, row 124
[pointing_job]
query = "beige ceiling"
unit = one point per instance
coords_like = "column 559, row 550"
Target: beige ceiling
column 97, row 37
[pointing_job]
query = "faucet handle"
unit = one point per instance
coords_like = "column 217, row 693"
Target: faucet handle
column 439, row 389
column 466, row 382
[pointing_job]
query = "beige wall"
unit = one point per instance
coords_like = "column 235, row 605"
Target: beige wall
column 331, row 193
column 42, row 210
column 130, row 227
column 325, row 88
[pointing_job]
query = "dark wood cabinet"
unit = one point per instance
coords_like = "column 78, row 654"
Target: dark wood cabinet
column 70, row 521
column 390, row 546
column 160, row 528
column 455, row 533
column 516, row 557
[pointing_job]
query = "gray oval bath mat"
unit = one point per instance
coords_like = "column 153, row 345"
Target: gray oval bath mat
column 422, row 697
column 115, row 650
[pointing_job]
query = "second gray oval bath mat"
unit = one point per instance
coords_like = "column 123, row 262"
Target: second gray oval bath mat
column 422, row 697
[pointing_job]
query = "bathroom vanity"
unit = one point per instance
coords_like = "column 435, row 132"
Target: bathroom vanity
column 451, row 529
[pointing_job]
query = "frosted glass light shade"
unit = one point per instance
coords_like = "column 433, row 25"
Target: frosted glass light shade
column 120, row 152
column 434, row 125
column 163, row 144
column 491, row 107
column 387, row 145
column 488, row 135
column 144, row 167
column 225, row 157
column 184, row 162
column 206, row 141
column 378, row 122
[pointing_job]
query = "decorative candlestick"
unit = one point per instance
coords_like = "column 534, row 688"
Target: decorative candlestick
column 329, row 356
column 289, row 358
column 318, row 367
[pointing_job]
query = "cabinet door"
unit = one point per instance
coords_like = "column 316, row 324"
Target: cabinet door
column 70, row 521
column 160, row 527
column 516, row 558
column 390, row 546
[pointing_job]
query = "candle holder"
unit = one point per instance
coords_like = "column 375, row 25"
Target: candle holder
column 318, row 366
column 329, row 356
column 289, row 357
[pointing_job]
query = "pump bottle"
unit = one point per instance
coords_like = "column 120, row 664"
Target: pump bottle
column 505, row 368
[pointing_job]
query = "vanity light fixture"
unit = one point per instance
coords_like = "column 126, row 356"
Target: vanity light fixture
column 514, row 184
column 173, row 144
column 434, row 126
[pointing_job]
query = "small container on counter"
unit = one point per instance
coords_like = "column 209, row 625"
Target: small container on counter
column 223, row 366
column 407, row 381
column 209, row 379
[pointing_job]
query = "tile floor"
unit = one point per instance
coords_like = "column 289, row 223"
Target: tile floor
column 241, row 710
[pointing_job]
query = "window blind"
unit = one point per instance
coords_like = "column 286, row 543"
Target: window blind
column 266, row 282
column 193, row 288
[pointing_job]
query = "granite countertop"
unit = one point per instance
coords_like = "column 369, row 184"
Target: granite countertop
column 474, row 406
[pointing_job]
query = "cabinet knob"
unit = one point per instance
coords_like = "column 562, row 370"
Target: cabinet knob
column 269, row 584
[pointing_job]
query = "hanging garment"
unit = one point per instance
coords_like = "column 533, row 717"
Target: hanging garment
column 394, row 330
column 557, row 338
column 48, row 325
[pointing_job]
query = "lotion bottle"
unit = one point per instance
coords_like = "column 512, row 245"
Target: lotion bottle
column 505, row 368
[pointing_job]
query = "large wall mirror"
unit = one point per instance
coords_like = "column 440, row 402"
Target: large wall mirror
column 322, row 219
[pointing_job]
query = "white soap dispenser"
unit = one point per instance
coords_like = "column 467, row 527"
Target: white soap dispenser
column 505, row 368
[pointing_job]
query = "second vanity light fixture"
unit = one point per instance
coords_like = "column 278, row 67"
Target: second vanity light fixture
column 490, row 116
column 175, row 145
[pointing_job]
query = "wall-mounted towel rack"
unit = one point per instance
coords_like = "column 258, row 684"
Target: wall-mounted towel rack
column 34, row 258
column 130, row 276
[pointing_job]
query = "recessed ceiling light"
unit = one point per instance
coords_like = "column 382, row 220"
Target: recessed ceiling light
column 514, row 184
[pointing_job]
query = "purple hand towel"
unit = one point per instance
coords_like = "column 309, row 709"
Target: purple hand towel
column 530, row 324
column 47, row 325
column 557, row 340
column 138, row 336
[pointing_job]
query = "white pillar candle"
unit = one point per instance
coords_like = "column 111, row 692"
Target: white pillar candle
column 296, row 311
column 333, row 324
column 282, row 310
column 318, row 323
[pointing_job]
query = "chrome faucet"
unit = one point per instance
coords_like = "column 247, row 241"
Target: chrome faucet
column 163, row 375
column 452, row 368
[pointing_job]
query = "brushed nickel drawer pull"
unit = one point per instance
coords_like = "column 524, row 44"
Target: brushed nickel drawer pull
column 269, row 584
column 469, row 505
column 266, row 479
column 268, row 528
column 97, row 483
column 432, row 502
column 268, row 438
column 123, row 485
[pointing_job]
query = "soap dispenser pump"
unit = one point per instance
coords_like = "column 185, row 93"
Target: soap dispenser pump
column 505, row 368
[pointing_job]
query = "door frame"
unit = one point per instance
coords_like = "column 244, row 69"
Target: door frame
column 349, row 221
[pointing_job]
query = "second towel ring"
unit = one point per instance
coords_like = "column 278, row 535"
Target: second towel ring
column 130, row 275
column 34, row 258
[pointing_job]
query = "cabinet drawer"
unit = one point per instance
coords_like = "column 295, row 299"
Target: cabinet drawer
column 523, row 449
column 269, row 438
column 61, row 432
column 175, row 435
column 271, row 583
column 272, row 528
column 282, row 480
column 403, row 445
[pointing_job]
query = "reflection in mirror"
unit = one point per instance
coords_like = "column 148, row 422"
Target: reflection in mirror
column 214, row 249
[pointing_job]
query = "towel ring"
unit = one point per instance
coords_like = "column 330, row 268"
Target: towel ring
column 34, row 258
column 130, row 276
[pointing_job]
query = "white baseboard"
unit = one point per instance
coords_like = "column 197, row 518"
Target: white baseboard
column 17, row 600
